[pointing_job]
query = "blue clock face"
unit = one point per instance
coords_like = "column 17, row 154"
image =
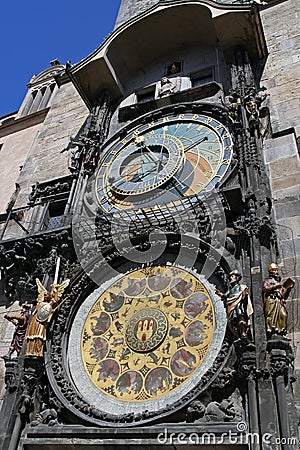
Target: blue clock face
column 167, row 160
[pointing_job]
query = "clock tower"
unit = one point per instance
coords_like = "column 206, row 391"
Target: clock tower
column 160, row 336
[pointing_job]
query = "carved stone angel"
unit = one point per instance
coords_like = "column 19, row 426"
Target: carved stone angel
column 47, row 304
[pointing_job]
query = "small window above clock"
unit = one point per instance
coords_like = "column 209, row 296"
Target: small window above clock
column 174, row 68
column 145, row 95
column 202, row 77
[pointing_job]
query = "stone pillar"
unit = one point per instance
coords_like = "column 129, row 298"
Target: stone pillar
column 280, row 374
column 27, row 105
column 46, row 96
column 9, row 412
column 36, row 102
column 263, row 419
column 248, row 364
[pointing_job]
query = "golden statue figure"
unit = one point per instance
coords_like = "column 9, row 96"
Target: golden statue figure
column 276, row 292
column 47, row 304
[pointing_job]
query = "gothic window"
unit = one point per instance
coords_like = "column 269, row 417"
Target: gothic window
column 174, row 68
column 53, row 215
column 48, row 204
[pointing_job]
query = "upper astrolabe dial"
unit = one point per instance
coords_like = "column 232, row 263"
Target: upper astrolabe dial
column 170, row 159
column 145, row 164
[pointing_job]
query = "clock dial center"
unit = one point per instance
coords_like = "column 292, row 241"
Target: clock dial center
column 164, row 162
column 146, row 330
column 143, row 166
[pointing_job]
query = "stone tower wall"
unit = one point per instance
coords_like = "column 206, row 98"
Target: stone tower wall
column 38, row 149
column 281, row 153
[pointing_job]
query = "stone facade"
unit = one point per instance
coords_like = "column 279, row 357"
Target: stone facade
column 52, row 154
column 281, row 152
column 14, row 153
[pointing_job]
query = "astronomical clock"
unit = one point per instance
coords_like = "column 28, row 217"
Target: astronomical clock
column 169, row 159
column 147, row 339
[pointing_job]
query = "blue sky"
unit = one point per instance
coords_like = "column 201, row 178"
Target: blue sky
column 33, row 33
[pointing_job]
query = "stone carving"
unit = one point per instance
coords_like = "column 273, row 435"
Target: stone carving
column 241, row 73
column 195, row 411
column 246, row 103
column 32, row 385
column 233, row 104
column 167, row 87
column 43, row 190
column 21, row 322
column 247, row 365
column 204, row 409
column 276, row 291
column 11, row 374
column 238, row 306
column 220, row 412
column 279, row 363
column 256, row 222
column 225, row 378
column 46, row 417
column 21, row 261
column 87, row 146
column 85, row 154
column 47, row 304
column 253, row 102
